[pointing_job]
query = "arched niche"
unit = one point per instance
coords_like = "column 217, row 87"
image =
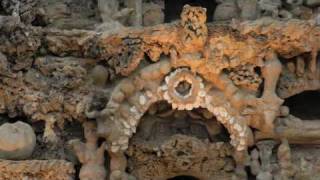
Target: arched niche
column 133, row 96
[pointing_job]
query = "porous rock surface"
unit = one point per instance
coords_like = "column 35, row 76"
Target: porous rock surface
column 221, row 91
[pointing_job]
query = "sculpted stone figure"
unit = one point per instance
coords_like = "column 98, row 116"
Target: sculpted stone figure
column 194, row 29
column 284, row 156
column 90, row 155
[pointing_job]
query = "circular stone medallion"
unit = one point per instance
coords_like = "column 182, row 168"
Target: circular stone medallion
column 183, row 89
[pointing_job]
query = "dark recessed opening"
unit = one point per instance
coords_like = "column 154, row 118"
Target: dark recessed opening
column 183, row 178
column 184, row 88
column 173, row 9
column 39, row 20
column 305, row 105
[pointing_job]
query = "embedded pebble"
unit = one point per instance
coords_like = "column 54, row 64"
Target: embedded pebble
column 17, row 140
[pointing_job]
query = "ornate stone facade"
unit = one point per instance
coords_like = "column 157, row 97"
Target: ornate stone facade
column 170, row 101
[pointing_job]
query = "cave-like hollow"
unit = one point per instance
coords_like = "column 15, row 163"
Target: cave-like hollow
column 183, row 178
column 304, row 105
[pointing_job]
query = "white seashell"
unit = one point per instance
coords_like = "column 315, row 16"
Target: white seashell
column 133, row 109
column 167, row 79
column 124, row 147
column 240, row 148
column 199, row 78
column 222, row 120
column 238, row 127
column 228, row 116
column 202, row 93
column 133, row 129
column 232, row 120
column 242, row 142
column 216, row 112
column 223, row 114
column 219, row 144
column 164, row 87
column 201, row 85
column 127, row 132
column 189, row 107
column 125, row 124
column 166, row 96
column 149, row 94
column 232, row 136
column 137, row 116
column 180, row 107
column 242, row 134
column 142, row 100
column 233, row 142
column 115, row 148
column 132, row 122
column 174, row 106
column 123, row 140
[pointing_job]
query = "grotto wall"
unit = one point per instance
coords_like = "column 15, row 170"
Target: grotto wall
column 152, row 89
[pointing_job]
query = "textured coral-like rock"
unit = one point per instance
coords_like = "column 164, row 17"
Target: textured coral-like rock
column 152, row 14
column 36, row 169
column 246, row 77
column 240, row 73
column 226, row 11
column 249, row 9
column 25, row 9
column 181, row 155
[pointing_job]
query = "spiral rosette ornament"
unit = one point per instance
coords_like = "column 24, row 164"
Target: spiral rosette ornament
column 183, row 89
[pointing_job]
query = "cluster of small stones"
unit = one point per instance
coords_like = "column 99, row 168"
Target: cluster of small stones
column 180, row 75
column 238, row 131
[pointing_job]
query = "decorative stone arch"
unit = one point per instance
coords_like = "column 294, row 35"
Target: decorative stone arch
column 134, row 95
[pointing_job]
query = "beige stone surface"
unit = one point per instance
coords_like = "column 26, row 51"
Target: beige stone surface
column 17, row 140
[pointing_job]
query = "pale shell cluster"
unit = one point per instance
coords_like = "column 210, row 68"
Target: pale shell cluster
column 194, row 98
column 132, row 108
column 130, row 99
column 238, row 131
column 130, row 120
column 121, row 144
